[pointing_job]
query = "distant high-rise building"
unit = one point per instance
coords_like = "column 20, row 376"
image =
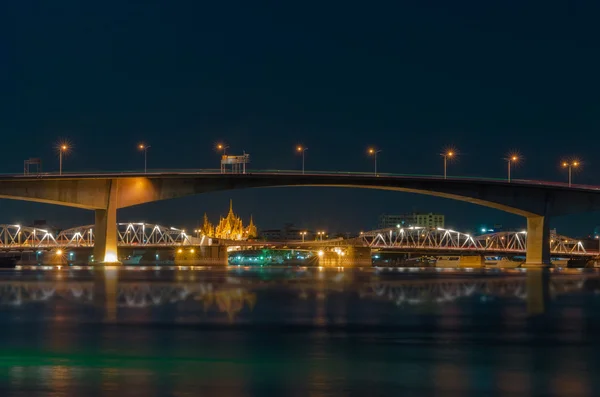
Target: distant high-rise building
column 412, row 219
column 430, row 220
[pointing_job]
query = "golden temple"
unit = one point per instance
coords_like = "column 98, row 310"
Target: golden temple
column 231, row 227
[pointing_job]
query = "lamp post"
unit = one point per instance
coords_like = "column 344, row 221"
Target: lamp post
column 511, row 159
column 223, row 147
column 145, row 148
column 449, row 154
column 570, row 165
column 301, row 149
column 61, row 149
column 373, row 152
column 303, row 234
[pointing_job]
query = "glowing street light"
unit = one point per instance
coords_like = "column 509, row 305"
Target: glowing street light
column 301, row 149
column 223, row 147
column 449, row 154
column 144, row 148
column 63, row 147
column 373, row 152
column 570, row 165
column 513, row 158
column 303, row 234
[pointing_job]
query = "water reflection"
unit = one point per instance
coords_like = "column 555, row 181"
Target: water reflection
column 233, row 292
column 298, row 332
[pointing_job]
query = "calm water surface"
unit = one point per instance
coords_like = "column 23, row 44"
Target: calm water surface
column 298, row 332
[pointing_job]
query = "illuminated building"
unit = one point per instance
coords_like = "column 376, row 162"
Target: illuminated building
column 412, row 219
column 231, row 227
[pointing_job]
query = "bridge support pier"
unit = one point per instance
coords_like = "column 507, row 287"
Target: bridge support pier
column 538, row 242
column 105, row 230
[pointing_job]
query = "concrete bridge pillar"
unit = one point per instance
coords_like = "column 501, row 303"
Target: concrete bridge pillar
column 538, row 242
column 105, row 229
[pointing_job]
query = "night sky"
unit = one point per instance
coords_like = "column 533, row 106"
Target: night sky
column 410, row 77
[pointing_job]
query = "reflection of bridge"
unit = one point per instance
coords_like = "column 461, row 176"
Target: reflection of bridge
column 232, row 294
column 438, row 240
column 422, row 291
column 229, row 299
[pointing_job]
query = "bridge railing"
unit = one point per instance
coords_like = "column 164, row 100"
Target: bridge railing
column 214, row 171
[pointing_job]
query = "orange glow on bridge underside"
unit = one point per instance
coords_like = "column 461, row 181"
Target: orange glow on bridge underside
column 135, row 191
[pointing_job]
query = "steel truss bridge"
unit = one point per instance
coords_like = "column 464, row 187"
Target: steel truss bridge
column 420, row 239
column 16, row 237
column 439, row 239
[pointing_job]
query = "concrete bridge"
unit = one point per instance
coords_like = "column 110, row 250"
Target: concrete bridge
column 105, row 193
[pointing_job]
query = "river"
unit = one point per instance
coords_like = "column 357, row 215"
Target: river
column 297, row 332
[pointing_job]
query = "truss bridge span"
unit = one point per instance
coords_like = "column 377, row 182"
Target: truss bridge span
column 433, row 240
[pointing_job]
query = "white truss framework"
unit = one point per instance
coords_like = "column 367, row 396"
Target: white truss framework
column 16, row 236
column 448, row 240
column 131, row 234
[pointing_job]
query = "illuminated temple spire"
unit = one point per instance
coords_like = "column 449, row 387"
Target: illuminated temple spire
column 231, row 227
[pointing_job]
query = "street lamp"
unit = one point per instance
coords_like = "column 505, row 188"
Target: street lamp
column 570, row 165
column 303, row 234
column 301, row 149
column 447, row 155
column 145, row 148
column 62, row 148
column 373, row 152
column 223, row 147
column 511, row 159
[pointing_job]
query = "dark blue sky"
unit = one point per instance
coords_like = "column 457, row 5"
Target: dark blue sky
column 408, row 76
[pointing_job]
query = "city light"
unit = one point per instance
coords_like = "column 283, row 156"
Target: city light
column 110, row 257
column 447, row 154
column 373, row 152
column 143, row 147
column 223, row 147
column 303, row 234
column 59, row 252
column 570, row 165
column 302, row 149
column 511, row 159
column 63, row 148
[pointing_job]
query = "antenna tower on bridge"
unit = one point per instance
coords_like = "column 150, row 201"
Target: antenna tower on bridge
column 36, row 163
